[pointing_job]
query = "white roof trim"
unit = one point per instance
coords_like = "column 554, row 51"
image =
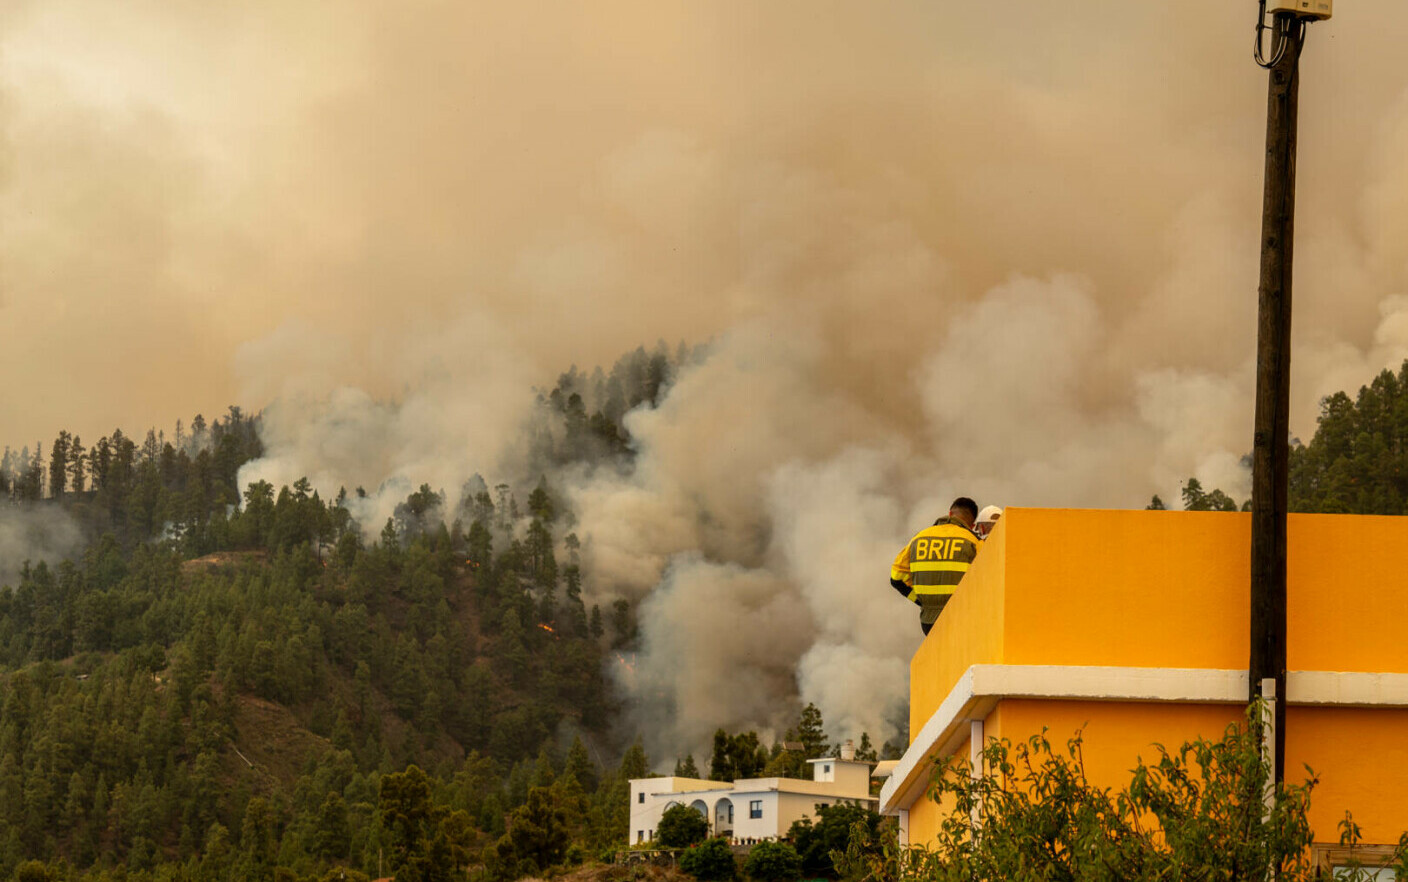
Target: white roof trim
column 981, row 687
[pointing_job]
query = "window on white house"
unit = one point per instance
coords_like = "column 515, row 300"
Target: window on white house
column 826, row 769
column 1338, row 862
column 640, row 836
column 730, row 813
column 755, row 808
column 640, row 798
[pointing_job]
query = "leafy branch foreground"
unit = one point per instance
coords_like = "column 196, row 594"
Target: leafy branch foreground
column 1196, row 814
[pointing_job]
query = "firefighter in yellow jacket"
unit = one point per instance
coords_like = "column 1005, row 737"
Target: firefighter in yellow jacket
column 933, row 563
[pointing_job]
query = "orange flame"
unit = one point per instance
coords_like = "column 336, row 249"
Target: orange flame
column 547, row 628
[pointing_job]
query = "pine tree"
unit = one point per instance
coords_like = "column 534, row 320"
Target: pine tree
column 76, row 462
column 580, row 766
column 811, row 733
column 865, row 751
column 721, row 762
column 634, row 764
column 58, row 465
column 686, row 768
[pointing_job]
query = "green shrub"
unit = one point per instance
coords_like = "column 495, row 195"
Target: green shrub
column 831, row 832
column 773, row 862
column 681, row 827
column 711, row 860
column 33, row 871
column 1195, row 813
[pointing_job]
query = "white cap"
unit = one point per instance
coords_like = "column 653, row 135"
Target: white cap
column 989, row 515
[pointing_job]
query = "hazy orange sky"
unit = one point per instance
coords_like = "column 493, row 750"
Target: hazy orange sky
column 190, row 195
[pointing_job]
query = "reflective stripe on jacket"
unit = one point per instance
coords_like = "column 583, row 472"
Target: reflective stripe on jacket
column 935, row 560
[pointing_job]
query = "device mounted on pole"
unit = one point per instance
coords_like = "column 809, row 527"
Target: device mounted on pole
column 1270, row 445
column 1318, row 9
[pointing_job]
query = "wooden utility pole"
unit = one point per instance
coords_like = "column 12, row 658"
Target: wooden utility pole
column 1270, row 449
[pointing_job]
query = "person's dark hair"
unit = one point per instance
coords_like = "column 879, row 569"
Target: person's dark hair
column 963, row 503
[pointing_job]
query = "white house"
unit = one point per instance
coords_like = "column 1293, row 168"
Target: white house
column 751, row 808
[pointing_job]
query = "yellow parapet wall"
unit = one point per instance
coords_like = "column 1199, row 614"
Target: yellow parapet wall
column 968, row 632
column 1164, row 596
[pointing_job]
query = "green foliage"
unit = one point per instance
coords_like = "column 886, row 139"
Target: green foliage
column 239, row 682
column 131, row 675
column 681, row 826
column 830, row 834
column 136, row 492
column 1197, row 812
column 811, row 733
column 736, row 756
column 1358, row 460
column 1196, row 499
column 865, row 751
column 536, row 840
column 634, row 764
column 686, row 768
column 582, row 418
column 34, row 871
column 711, row 861
column 773, row 862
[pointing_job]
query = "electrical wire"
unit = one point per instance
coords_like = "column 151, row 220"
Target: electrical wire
column 1278, row 46
column 1285, row 29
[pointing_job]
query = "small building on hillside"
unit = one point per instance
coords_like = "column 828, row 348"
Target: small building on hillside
column 1132, row 626
column 751, row 809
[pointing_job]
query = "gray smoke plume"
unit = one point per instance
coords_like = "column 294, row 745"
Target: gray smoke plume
column 34, row 534
column 1007, row 250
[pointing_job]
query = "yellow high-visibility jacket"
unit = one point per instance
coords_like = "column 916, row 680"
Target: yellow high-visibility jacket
column 933, row 563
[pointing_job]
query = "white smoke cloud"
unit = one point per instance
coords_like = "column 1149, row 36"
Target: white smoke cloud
column 1005, row 252
column 461, row 396
column 835, row 525
column 34, row 534
column 718, row 643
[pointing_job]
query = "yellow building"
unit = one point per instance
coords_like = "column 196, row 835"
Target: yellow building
column 1132, row 625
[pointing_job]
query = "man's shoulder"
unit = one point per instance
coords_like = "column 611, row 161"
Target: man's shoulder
column 948, row 527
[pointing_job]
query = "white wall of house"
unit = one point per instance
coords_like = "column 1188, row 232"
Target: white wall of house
column 651, row 796
column 848, row 776
column 765, row 825
column 779, row 801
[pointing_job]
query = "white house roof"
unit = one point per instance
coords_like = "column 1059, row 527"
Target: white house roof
column 676, row 784
column 795, row 785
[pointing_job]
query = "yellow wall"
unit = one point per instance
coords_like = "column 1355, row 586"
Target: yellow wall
column 1141, row 589
column 1361, row 756
column 1115, row 735
column 1170, row 589
column 1165, row 589
column 1346, row 593
column 925, row 814
column 968, row 632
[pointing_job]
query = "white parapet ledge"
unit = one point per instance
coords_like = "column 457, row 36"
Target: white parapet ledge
column 981, row 687
column 1346, row 689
